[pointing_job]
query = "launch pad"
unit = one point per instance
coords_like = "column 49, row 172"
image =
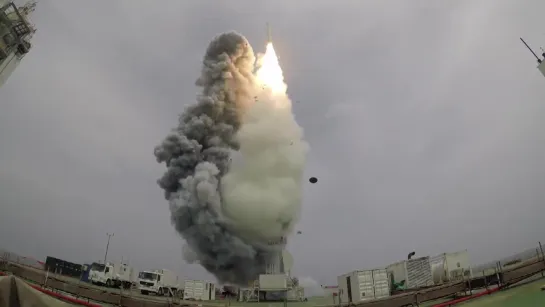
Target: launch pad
column 276, row 284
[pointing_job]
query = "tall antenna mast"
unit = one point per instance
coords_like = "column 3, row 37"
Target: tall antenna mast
column 541, row 62
column 532, row 51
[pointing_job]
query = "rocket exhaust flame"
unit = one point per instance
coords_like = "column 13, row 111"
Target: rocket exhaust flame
column 235, row 163
column 270, row 73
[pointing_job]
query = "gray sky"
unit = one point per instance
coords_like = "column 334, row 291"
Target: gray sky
column 424, row 117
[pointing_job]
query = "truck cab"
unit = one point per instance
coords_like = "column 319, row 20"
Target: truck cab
column 111, row 275
column 158, row 282
column 97, row 273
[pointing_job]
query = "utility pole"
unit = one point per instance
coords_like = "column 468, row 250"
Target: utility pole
column 107, row 246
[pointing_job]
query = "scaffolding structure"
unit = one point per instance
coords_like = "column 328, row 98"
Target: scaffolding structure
column 276, row 282
column 16, row 31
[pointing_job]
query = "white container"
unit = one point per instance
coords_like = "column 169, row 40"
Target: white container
column 415, row 272
column 449, row 267
column 271, row 282
column 199, row 290
column 358, row 286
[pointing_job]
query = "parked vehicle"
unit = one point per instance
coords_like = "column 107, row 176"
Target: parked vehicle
column 160, row 282
column 111, row 275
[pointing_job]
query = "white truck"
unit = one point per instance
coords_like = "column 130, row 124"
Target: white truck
column 160, row 282
column 112, row 275
column 199, row 290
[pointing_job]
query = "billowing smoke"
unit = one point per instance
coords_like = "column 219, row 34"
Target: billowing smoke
column 312, row 287
column 234, row 163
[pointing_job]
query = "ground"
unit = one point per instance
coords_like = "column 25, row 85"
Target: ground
column 529, row 295
column 526, row 295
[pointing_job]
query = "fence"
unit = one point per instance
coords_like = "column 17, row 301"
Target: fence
column 507, row 271
column 27, row 261
column 519, row 259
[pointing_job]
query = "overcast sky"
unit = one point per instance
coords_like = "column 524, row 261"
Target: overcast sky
column 425, row 120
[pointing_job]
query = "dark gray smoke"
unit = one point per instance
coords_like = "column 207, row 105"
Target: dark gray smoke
column 197, row 155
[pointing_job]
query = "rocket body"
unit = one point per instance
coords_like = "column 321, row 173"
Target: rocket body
column 269, row 36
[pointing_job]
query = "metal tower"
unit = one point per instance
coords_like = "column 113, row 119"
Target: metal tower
column 16, row 30
column 275, row 264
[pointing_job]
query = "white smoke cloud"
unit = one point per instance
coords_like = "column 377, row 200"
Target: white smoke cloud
column 262, row 194
column 312, row 287
column 235, row 116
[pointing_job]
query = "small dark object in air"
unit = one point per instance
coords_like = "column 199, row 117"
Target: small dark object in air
column 313, row 179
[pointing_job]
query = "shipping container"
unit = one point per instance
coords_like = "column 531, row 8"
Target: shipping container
column 199, row 290
column 410, row 274
column 364, row 285
column 449, row 267
column 63, row 267
column 273, row 282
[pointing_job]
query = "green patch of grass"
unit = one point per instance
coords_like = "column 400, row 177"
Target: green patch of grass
column 529, row 295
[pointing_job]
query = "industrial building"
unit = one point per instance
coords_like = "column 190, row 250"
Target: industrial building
column 15, row 33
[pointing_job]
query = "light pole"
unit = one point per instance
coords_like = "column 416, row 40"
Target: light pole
column 107, row 246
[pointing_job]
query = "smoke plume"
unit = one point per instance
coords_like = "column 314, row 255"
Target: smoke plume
column 312, row 287
column 234, row 163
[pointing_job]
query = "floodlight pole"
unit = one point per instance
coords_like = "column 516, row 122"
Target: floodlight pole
column 107, row 246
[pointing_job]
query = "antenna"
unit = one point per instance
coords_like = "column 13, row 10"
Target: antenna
column 532, row 51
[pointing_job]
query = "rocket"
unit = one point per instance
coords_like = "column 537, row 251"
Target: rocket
column 269, row 36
